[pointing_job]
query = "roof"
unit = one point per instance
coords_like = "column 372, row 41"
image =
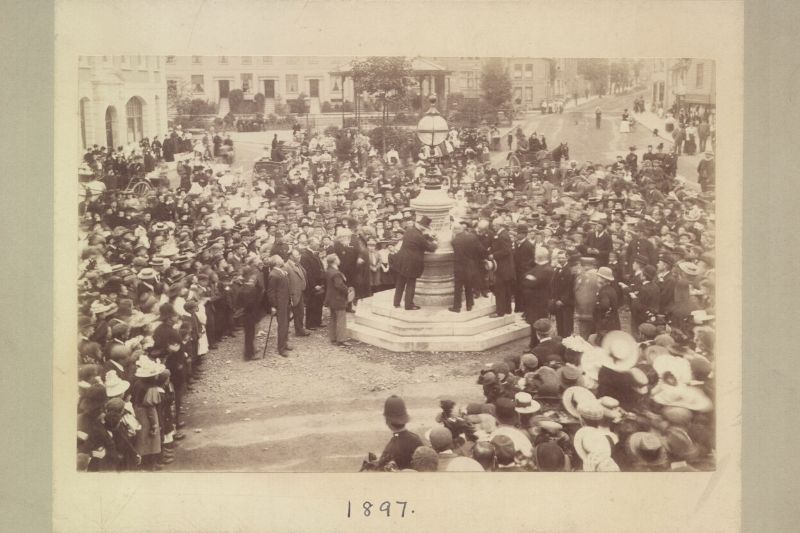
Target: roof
column 419, row 65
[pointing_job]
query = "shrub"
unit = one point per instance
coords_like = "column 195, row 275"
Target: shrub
column 259, row 100
column 403, row 140
column 235, row 98
column 347, row 106
column 326, row 107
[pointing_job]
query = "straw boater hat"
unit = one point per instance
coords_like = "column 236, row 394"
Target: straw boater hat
column 147, row 368
column 686, row 396
column 114, row 385
column 647, row 447
column 525, row 404
column 574, row 396
column 677, row 366
column 622, row 349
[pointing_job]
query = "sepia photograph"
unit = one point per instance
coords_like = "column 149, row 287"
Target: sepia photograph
column 344, row 264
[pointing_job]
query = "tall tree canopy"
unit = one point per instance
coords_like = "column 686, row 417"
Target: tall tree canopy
column 495, row 83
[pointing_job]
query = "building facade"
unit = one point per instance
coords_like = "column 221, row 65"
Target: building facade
column 122, row 99
column 685, row 82
column 531, row 81
column 278, row 78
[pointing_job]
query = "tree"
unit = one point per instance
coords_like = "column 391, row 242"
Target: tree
column 495, row 84
column 595, row 71
column 384, row 78
column 619, row 73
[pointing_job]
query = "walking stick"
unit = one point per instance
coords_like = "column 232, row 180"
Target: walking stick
column 269, row 329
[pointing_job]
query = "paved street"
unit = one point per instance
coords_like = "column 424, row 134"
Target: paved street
column 576, row 126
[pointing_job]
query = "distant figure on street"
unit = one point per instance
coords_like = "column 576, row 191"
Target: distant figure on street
column 706, row 173
column 598, row 116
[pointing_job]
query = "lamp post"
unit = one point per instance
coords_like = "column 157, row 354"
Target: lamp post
column 435, row 286
column 432, row 131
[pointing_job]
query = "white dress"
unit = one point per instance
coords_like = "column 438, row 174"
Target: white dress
column 624, row 126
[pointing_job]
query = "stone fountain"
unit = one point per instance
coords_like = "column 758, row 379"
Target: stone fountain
column 433, row 328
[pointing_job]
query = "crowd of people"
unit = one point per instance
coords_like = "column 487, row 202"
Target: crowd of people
column 165, row 276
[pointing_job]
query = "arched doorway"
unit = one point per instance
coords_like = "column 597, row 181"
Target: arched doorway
column 134, row 110
column 111, row 126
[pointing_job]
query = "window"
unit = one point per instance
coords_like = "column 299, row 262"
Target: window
column 528, row 72
column 134, row 111
column 291, row 83
column 198, row 83
column 196, row 60
column 267, row 60
column 223, row 60
column 247, row 82
column 292, row 60
column 170, row 60
column 517, row 72
column 528, row 94
column 700, row 69
column 517, row 93
column 247, row 60
column 313, row 60
column 136, row 61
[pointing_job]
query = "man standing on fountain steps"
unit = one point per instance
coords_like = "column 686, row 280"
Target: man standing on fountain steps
column 409, row 262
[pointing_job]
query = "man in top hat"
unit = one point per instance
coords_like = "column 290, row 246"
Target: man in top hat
column 536, row 284
column 562, row 294
column 409, row 261
column 315, row 276
column 297, row 286
column 401, row 446
column 468, row 255
column 523, row 261
column 502, row 251
column 278, row 295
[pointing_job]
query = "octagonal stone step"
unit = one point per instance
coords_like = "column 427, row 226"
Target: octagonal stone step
column 432, row 329
column 518, row 329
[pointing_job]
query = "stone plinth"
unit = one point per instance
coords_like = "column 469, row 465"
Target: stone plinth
column 433, row 329
column 435, row 286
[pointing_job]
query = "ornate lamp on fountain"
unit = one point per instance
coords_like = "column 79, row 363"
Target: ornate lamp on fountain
column 435, row 286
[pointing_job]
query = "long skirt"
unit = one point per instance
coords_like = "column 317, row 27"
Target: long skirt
column 146, row 444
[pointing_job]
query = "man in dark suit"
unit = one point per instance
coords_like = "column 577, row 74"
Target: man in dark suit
column 632, row 161
column 645, row 302
column 666, row 284
column 606, row 309
column 523, row 261
column 502, row 251
column 409, row 261
column 562, row 295
column 249, row 300
column 347, row 251
column 536, row 284
column 278, row 292
column 297, row 288
column 549, row 348
column 598, row 243
column 639, row 247
column 315, row 276
column 468, row 253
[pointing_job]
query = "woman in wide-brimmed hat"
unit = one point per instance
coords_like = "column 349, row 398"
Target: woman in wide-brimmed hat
column 146, row 399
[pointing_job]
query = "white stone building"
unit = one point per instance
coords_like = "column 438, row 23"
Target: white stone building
column 122, row 99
